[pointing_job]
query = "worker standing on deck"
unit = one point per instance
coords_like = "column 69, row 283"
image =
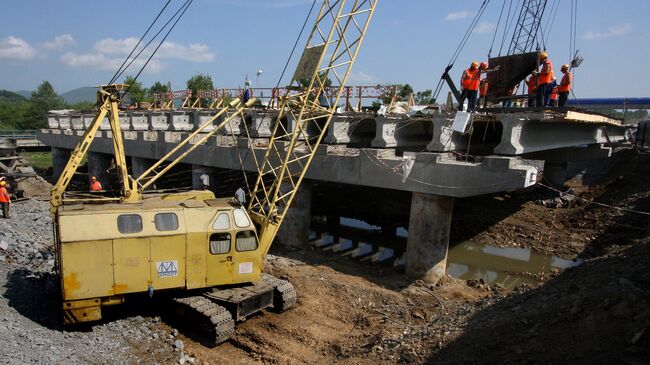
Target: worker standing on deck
column 565, row 85
column 554, row 93
column 531, row 83
column 483, row 89
column 94, row 184
column 5, row 199
column 545, row 80
column 470, row 84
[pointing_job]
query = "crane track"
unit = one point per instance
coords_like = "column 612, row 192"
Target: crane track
column 285, row 295
column 210, row 319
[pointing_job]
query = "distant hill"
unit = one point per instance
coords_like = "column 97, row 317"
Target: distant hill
column 80, row 94
column 24, row 93
column 10, row 96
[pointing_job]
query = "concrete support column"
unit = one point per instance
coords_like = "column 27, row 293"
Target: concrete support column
column 139, row 165
column 295, row 227
column 60, row 157
column 204, row 177
column 428, row 237
column 98, row 165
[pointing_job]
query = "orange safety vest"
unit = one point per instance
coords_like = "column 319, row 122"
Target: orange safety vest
column 532, row 84
column 565, row 84
column 554, row 93
column 95, row 186
column 546, row 75
column 4, row 195
column 484, row 87
column 471, row 79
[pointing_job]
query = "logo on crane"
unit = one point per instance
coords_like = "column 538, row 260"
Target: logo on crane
column 167, row 269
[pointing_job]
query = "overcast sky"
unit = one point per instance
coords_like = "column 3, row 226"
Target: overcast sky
column 76, row 43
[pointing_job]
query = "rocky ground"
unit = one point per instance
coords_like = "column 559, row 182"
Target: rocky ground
column 351, row 312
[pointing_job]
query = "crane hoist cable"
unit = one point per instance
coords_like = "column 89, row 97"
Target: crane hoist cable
column 186, row 6
column 115, row 76
column 496, row 29
column 508, row 24
column 461, row 45
column 152, row 39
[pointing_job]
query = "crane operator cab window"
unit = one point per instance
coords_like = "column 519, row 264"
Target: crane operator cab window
column 246, row 241
column 220, row 241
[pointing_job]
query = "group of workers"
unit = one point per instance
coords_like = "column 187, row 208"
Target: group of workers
column 543, row 89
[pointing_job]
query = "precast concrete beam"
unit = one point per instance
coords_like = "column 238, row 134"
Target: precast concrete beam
column 158, row 120
column 52, row 121
column 444, row 139
column 261, row 123
column 181, row 120
column 139, row 121
column 98, row 166
column 77, row 121
column 521, row 134
column 60, row 157
column 402, row 132
column 64, row 121
column 203, row 116
column 428, row 238
column 294, row 230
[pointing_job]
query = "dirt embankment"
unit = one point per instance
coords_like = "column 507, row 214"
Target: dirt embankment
column 357, row 313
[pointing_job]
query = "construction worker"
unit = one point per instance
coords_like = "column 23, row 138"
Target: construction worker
column 483, row 88
column 531, row 83
column 544, row 87
column 95, row 185
column 565, row 85
column 554, row 91
column 470, row 84
column 5, row 199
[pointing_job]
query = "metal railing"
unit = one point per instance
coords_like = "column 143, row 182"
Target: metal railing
column 19, row 133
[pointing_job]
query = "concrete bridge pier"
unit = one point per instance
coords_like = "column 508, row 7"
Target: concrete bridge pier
column 60, row 157
column 204, row 177
column 294, row 230
column 98, row 165
column 428, row 236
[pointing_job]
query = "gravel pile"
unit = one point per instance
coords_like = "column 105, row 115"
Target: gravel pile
column 31, row 329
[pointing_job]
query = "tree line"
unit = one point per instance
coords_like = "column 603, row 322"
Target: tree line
column 17, row 112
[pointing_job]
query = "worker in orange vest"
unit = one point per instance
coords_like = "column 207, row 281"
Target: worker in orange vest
column 483, row 89
column 565, row 85
column 544, row 87
column 554, row 93
column 469, row 83
column 5, row 199
column 531, row 83
column 94, row 184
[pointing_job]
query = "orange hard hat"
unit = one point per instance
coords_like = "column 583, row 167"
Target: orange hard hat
column 564, row 67
column 474, row 64
column 543, row 55
column 484, row 65
column 3, row 183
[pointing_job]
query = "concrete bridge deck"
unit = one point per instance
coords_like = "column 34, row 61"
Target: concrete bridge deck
column 419, row 154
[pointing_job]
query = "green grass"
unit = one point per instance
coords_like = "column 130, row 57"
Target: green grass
column 39, row 160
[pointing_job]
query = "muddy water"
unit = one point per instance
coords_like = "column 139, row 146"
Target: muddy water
column 507, row 266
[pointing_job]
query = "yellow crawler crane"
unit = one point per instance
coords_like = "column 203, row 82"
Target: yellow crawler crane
column 206, row 254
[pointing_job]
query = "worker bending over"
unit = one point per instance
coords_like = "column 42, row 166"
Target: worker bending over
column 94, row 184
column 544, row 87
column 565, row 85
column 5, row 199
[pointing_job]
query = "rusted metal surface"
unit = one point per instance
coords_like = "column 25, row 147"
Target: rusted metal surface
column 513, row 69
